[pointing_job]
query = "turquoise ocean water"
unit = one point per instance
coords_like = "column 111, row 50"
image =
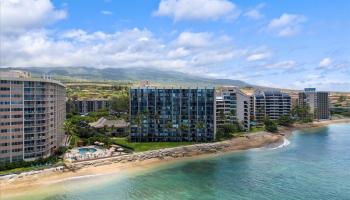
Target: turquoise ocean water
column 315, row 165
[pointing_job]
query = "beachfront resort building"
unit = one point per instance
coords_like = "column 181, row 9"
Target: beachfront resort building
column 32, row 113
column 272, row 104
column 317, row 101
column 172, row 114
column 233, row 106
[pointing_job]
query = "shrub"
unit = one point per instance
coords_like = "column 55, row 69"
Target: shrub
column 270, row 126
column 285, row 120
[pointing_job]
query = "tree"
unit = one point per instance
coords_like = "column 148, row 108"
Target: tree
column 69, row 128
column 303, row 113
column 184, row 127
column 341, row 98
column 200, row 125
column 285, row 120
column 138, row 120
column 270, row 125
column 222, row 117
column 120, row 103
column 229, row 128
column 169, row 125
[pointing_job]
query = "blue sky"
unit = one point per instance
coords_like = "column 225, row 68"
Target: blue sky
column 279, row 43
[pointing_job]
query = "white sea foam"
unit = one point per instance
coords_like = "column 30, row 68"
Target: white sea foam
column 75, row 178
column 285, row 143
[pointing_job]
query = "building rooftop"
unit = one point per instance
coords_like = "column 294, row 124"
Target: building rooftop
column 17, row 75
column 102, row 122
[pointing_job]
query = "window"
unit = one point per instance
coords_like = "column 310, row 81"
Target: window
column 4, row 89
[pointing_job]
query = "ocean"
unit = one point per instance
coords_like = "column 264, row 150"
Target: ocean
column 311, row 164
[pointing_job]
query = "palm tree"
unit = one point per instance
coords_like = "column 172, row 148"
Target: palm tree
column 138, row 120
column 69, row 128
column 200, row 125
column 169, row 125
column 184, row 128
column 222, row 117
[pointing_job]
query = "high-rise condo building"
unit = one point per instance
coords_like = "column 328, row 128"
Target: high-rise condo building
column 172, row 114
column 271, row 104
column 32, row 113
column 233, row 106
column 317, row 102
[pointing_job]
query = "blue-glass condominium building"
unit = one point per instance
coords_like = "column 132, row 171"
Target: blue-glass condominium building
column 172, row 114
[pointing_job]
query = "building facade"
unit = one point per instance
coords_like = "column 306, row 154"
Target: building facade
column 172, row 114
column 233, row 106
column 317, row 102
column 84, row 106
column 32, row 113
column 271, row 104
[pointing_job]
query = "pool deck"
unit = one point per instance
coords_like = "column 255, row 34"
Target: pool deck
column 75, row 155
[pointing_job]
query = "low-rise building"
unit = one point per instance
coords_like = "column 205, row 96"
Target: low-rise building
column 84, row 106
column 119, row 126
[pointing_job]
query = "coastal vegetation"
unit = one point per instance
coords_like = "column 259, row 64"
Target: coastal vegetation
column 146, row 146
column 270, row 125
column 342, row 112
column 229, row 130
column 41, row 163
column 302, row 114
column 80, row 132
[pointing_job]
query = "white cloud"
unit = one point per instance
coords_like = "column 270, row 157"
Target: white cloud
column 325, row 62
column 178, row 53
column 255, row 12
column 128, row 48
column 258, row 56
column 261, row 53
column 287, row 64
column 20, row 15
column 197, row 9
column 190, row 39
column 106, row 12
column 286, row 25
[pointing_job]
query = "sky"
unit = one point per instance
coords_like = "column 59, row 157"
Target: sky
column 278, row 43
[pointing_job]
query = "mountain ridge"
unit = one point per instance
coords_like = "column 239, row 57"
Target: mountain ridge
column 130, row 74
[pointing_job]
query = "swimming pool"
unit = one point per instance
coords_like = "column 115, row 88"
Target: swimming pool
column 85, row 150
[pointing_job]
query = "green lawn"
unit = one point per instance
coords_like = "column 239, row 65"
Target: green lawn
column 256, row 129
column 27, row 169
column 146, row 146
column 17, row 170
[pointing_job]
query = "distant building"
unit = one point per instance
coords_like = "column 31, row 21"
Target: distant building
column 32, row 113
column 172, row 114
column 84, row 106
column 234, row 105
column 317, row 102
column 271, row 104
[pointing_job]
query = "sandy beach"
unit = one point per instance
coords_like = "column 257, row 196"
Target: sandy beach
column 9, row 186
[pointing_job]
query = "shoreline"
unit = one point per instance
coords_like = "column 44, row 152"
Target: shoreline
column 20, row 183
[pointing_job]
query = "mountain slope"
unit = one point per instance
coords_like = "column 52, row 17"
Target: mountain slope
column 134, row 74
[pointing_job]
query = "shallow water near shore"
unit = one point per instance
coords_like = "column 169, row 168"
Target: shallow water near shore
column 314, row 165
